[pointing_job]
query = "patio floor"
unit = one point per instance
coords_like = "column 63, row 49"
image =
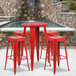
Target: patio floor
column 39, row 66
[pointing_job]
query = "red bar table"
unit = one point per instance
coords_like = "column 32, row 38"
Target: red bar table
column 34, row 33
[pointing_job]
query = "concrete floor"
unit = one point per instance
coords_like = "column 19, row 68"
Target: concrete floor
column 39, row 66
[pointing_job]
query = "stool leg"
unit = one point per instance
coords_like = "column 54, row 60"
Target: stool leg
column 47, row 55
column 12, row 50
column 49, row 47
column 28, row 45
column 58, row 53
column 15, row 54
column 66, row 55
column 19, row 56
column 21, row 52
column 6, row 55
column 12, row 46
column 42, row 45
column 45, row 59
column 21, row 48
column 27, row 56
column 54, row 55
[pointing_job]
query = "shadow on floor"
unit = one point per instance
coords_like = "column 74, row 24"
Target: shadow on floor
column 37, row 65
column 58, row 69
column 19, row 69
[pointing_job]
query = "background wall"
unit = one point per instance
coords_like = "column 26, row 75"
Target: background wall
column 9, row 7
column 43, row 10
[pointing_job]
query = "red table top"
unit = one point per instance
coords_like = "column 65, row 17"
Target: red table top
column 34, row 24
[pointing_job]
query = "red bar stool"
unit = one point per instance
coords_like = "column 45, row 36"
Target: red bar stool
column 21, row 33
column 56, row 51
column 17, row 56
column 49, row 33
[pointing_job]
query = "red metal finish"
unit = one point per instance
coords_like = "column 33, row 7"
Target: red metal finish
column 37, row 41
column 34, row 33
column 56, row 51
column 16, row 49
column 22, row 33
column 34, row 24
column 49, row 33
column 32, row 39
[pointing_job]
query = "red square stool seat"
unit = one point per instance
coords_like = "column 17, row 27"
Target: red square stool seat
column 21, row 33
column 55, row 42
column 49, row 33
column 17, row 52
